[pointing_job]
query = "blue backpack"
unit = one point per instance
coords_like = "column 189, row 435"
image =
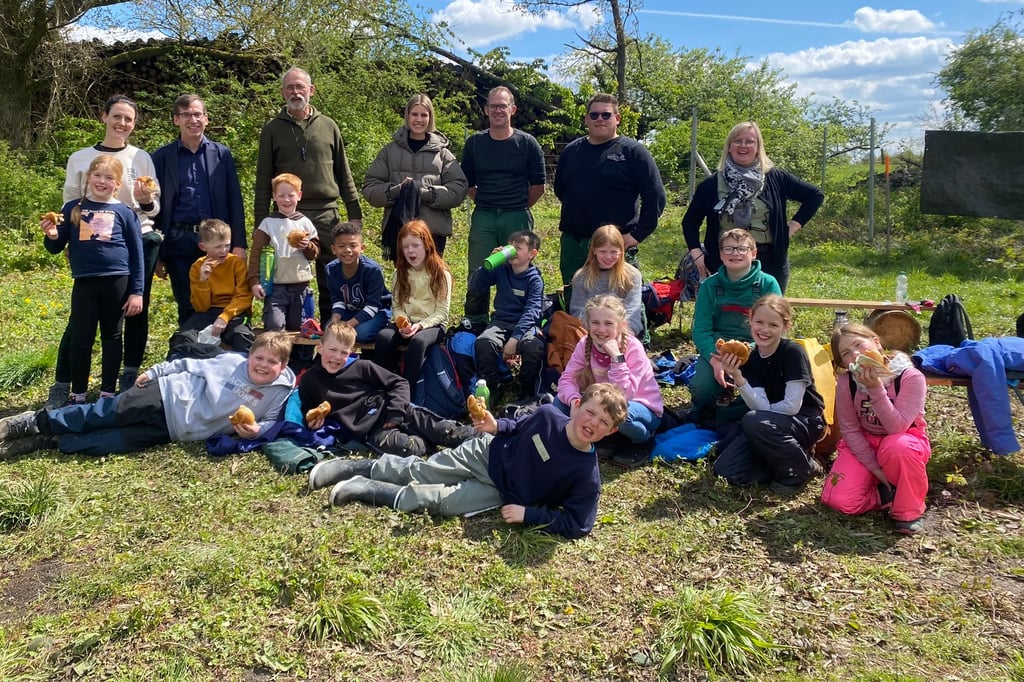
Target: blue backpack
column 439, row 388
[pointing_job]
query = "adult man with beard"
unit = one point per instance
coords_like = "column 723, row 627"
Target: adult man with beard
column 303, row 141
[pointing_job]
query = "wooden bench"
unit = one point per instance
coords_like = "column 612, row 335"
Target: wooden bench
column 299, row 340
column 893, row 322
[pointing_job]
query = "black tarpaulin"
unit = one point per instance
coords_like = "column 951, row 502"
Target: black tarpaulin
column 973, row 174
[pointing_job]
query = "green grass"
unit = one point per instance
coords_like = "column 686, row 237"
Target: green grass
column 170, row 564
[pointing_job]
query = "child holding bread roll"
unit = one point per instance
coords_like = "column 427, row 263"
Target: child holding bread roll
column 422, row 300
column 772, row 444
column 885, row 448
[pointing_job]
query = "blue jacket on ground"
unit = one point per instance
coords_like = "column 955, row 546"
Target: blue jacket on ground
column 985, row 361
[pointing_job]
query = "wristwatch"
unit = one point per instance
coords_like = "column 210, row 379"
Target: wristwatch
column 619, row 359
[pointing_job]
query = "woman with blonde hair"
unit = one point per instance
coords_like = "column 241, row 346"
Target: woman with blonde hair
column 748, row 192
column 418, row 152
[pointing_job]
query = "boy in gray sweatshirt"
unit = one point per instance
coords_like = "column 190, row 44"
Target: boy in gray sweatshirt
column 183, row 400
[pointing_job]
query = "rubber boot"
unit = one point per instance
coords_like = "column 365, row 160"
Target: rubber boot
column 331, row 471
column 367, row 491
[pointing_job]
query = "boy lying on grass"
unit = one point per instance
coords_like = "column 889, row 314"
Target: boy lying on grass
column 541, row 469
column 182, row 400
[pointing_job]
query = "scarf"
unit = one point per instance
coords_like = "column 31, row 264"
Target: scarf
column 744, row 184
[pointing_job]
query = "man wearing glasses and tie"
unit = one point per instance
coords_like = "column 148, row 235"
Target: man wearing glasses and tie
column 505, row 170
column 604, row 178
column 198, row 180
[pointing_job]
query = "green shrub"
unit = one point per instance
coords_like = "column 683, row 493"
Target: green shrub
column 23, row 502
column 717, row 630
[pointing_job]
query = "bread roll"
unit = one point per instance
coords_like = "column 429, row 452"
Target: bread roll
column 242, row 416
column 477, row 407
column 319, row 412
column 295, row 238
column 401, row 322
column 149, row 183
column 738, row 348
column 53, row 217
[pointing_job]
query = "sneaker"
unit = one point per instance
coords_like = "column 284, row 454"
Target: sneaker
column 394, row 442
column 631, row 459
column 908, row 527
column 23, row 446
column 454, row 434
column 127, row 380
column 58, row 396
column 18, row 426
column 785, row 489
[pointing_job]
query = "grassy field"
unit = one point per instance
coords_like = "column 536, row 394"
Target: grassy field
column 172, row 565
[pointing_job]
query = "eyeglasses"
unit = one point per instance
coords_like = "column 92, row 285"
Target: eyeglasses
column 499, row 107
column 748, row 142
column 594, row 115
column 730, row 250
column 191, row 114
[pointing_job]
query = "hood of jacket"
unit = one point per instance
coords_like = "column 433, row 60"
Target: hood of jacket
column 436, row 140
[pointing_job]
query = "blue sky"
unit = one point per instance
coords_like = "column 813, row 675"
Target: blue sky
column 884, row 55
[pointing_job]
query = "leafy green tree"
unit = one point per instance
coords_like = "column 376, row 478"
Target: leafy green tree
column 984, row 77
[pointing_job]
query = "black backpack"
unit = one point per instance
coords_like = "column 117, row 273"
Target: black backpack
column 950, row 325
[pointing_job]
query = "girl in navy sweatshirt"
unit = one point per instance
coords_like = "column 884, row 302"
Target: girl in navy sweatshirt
column 104, row 242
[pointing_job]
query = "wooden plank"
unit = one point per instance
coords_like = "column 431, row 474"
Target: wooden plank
column 847, row 303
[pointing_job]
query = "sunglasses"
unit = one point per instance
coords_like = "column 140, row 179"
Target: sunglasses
column 594, row 115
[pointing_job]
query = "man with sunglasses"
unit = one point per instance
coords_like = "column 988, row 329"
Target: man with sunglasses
column 604, row 178
column 505, row 170
column 198, row 180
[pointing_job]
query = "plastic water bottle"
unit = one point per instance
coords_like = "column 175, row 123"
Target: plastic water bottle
column 901, row 287
column 482, row 391
column 499, row 257
column 267, row 264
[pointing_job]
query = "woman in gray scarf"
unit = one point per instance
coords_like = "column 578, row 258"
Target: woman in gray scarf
column 748, row 192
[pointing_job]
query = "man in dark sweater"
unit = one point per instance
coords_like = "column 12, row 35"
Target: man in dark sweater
column 305, row 142
column 540, row 470
column 505, row 171
column 604, row 178
column 370, row 403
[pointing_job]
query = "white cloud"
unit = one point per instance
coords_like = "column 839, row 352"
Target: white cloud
column 484, row 22
column 854, row 56
column 892, row 77
column 110, row 35
column 871, row 20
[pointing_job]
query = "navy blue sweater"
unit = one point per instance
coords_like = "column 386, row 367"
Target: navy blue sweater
column 533, row 464
column 106, row 241
column 518, row 299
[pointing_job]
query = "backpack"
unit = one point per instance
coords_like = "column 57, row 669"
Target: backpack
column 462, row 347
column 659, row 299
column 950, row 325
column 438, row 388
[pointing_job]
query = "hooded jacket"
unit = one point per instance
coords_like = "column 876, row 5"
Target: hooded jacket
column 443, row 183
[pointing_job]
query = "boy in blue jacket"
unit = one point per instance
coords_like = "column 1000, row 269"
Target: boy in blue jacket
column 182, row 400
column 518, row 303
column 540, row 469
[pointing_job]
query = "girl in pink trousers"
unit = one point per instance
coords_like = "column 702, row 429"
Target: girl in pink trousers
column 884, row 448
column 610, row 353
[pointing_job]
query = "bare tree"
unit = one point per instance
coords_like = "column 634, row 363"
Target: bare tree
column 31, row 54
column 609, row 46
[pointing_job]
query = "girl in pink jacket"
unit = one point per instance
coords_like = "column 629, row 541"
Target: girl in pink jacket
column 609, row 353
column 880, row 410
